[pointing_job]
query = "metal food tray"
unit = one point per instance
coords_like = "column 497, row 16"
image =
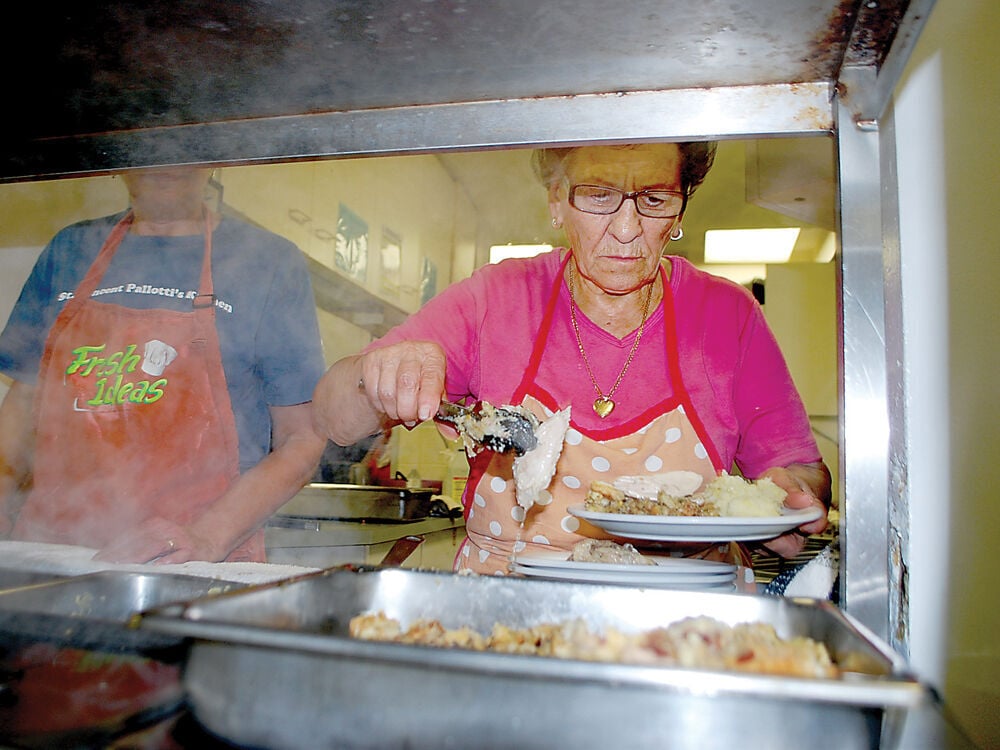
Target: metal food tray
column 94, row 611
column 357, row 502
column 14, row 578
column 273, row 667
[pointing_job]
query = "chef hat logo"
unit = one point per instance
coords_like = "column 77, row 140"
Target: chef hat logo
column 156, row 356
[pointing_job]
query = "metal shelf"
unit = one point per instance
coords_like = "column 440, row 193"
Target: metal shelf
column 137, row 84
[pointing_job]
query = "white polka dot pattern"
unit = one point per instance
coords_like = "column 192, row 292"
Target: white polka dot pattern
column 570, row 524
column 498, row 527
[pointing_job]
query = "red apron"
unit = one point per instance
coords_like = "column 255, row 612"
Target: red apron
column 672, row 441
column 133, row 417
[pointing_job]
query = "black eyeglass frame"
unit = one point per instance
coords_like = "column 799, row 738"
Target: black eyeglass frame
column 633, row 196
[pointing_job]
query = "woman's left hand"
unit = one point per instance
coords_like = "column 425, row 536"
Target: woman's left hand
column 805, row 484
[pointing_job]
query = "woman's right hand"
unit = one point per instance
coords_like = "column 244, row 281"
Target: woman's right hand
column 364, row 393
column 404, row 381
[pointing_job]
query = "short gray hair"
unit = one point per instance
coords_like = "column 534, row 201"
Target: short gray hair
column 697, row 158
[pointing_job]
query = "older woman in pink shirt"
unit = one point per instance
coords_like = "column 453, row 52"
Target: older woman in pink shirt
column 665, row 367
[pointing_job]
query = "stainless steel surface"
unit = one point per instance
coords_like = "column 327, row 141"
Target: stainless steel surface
column 111, row 88
column 778, row 109
column 94, row 611
column 356, row 502
column 864, row 413
column 331, row 543
column 898, row 380
column 906, row 20
column 12, row 578
column 291, row 677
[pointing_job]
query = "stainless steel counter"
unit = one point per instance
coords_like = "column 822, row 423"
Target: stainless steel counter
column 323, row 544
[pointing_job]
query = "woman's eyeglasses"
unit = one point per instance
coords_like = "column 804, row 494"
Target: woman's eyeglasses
column 600, row 199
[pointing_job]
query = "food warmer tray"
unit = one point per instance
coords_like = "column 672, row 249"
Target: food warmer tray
column 355, row 502
column 15, row 578
column 273, row 666
column 94, row 611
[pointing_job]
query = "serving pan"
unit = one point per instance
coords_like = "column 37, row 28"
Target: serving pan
column 356, row 502
column 13, row 578
column 93, row 611
column 73, row 673
column 273, row 666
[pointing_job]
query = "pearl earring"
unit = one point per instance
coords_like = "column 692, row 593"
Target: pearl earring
column 677, row 234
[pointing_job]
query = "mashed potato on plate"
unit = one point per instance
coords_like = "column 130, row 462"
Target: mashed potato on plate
column 736, row 497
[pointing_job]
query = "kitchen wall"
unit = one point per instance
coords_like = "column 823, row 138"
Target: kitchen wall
column 947, row 123
column 31, row 212
column 801, row 308
column 409, row 200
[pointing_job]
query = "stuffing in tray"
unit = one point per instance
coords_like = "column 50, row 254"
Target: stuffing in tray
column 693, row 642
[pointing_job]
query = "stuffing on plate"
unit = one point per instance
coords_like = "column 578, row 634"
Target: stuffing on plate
column 608, row 552
column 657, row 495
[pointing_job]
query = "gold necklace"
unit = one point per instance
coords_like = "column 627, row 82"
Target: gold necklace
column 603, row 404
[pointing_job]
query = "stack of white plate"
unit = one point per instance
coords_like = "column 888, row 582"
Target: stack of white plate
column 666, row 572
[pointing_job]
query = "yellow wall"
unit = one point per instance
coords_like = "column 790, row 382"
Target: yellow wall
column 411, row 197
column 962, row 35
column 801, row 308
column 32, row 212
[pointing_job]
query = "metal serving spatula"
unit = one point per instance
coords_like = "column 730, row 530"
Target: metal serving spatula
column 499, row 428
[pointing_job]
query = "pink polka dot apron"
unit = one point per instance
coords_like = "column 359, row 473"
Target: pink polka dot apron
column 672, row 440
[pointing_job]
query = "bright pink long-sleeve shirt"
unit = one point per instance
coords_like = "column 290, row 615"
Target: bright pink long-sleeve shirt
column 730, row 363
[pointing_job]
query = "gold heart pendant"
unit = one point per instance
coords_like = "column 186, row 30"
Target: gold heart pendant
column 603, row 406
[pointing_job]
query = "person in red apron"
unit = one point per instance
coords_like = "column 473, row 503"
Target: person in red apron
column 495, row 522
column 135, row 441
column 665, row 367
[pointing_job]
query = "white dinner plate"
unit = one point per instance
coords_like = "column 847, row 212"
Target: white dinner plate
column 664, row 565
column 696, row 528
column 679, row 580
